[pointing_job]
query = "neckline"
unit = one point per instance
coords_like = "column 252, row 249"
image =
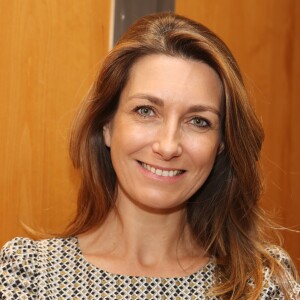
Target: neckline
column 202, row 270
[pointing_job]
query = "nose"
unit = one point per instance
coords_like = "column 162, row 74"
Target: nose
column 167, row 143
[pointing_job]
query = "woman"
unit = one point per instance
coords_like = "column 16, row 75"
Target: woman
column 167, row 145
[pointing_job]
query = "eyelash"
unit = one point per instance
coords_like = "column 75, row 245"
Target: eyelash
column 152, row 110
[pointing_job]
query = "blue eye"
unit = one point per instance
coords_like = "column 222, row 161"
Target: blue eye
column 200, row 122
column 145, row 111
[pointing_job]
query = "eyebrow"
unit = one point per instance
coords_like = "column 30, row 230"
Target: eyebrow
column 194, row 108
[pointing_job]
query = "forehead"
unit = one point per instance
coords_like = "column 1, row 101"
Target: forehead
column 175, row 79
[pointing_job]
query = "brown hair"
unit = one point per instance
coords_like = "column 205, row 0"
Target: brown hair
column 228, row 223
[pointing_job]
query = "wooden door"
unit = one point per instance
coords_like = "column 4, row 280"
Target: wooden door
column 50, row 51
column 264, row 36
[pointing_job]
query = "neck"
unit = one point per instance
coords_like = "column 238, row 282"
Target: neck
column 145, row 239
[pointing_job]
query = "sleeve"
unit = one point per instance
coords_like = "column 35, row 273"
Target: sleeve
column 18, row 270
column 272, row 288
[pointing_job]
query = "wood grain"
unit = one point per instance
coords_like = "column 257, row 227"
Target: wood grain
column 264, row 36
column 50, row 51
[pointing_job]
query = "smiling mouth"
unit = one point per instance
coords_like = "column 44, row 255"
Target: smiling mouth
column 160, row 172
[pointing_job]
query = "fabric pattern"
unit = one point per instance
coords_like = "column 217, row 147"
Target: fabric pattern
column 56, row 269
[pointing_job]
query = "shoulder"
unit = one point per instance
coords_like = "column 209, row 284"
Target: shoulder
column 18, row 253
column 28, row 249
column 16, row 248
column 282, row 258
column 273, row 283
column 18, row 269
column 22, row 260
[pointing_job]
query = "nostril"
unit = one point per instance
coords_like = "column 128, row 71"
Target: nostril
column 167, row 150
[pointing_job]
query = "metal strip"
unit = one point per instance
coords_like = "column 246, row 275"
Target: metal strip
column 128, row 11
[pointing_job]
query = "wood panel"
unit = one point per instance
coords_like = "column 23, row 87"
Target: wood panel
column 50, row 51
column 264, row 36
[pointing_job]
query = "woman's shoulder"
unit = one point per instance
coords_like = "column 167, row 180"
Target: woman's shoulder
column 282, row 257
column 18, row 252
column 24, row 262
column 18, row 269
column 288, row 276
column 25, row 247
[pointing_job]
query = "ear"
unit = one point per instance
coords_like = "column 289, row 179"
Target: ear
column 107, row 134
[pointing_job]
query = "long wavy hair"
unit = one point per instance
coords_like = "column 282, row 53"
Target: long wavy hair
column 228, row 222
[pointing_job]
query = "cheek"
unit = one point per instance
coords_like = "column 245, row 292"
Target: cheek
column 131, row 136
column 203, row 150
column 127, row 140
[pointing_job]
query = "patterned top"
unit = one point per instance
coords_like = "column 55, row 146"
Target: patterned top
column 56, row 269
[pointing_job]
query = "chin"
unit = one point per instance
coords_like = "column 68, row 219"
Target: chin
column 161, row 208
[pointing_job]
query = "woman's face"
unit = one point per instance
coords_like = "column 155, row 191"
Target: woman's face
column 165, row 135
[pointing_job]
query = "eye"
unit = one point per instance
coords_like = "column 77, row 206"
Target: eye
column 145, row 111
column 200, row 122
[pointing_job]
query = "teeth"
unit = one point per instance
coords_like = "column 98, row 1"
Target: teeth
column 165, row 173
column 160, row 172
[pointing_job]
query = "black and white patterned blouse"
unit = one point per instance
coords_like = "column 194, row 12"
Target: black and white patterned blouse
column 56, row 269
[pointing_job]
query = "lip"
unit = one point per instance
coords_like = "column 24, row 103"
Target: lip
column 160, row 176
